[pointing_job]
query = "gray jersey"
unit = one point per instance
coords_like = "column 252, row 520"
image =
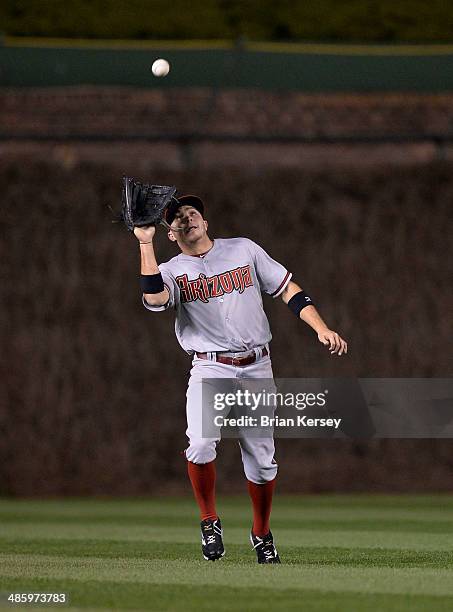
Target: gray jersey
column 217, row 297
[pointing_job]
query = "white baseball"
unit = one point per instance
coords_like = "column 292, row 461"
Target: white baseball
column 160, row 68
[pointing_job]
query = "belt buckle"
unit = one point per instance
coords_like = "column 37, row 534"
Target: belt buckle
column 238, row 361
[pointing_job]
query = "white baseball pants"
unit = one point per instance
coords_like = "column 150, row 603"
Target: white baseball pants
column 257, row 453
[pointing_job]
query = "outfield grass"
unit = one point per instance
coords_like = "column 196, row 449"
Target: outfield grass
column 351, row 553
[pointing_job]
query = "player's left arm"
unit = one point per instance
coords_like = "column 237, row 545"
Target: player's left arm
column 311, row 316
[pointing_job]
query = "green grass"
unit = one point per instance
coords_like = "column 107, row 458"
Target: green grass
column 351, row 553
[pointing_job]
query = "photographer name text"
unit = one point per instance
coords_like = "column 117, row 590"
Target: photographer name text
column 275, row 421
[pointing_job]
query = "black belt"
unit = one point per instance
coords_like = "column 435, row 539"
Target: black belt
column 234, row 361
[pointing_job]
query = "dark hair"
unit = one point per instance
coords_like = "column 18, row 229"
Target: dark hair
column 184, row 200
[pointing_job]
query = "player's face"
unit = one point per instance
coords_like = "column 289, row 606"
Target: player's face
column 190, row 224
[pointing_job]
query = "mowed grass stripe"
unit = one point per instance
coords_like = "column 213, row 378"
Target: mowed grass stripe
column 110, row 549
column 380, row 554
column 297, row 536
column 441, row 502
column 400, row 508
column 414, row 581
column 331, row 524
column 138, row 596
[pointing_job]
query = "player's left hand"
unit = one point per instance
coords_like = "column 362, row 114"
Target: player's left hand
column 333, row 341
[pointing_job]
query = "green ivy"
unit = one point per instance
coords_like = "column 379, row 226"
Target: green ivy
column 273, row 20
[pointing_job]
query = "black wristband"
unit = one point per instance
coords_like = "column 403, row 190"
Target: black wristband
column 299, row 301
column 152, row 283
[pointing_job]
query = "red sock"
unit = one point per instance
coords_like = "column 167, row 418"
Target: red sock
column 202, row 477
column 261, row 496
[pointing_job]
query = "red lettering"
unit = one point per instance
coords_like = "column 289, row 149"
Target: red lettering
column 216, row 291
column 247, row 276
column 197, row 291
column 238, row 281
column 204, row 287
column 184, row 288
column 226, row 282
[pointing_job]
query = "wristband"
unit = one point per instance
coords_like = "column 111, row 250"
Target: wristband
column 299, row 301
column 152, row 283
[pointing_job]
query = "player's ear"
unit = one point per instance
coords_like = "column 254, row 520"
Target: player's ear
column 171, row 236
column 205, row 224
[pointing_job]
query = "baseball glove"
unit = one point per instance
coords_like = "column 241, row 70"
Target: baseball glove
column 144, row 204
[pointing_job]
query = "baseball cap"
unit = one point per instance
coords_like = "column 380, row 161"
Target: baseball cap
column 184, row 200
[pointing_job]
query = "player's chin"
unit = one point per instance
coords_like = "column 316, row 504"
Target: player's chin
column 193, row 235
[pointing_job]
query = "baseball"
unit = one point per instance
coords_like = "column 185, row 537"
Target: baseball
column 160, row 68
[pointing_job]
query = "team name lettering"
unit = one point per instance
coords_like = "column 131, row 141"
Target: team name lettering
column 203, row 288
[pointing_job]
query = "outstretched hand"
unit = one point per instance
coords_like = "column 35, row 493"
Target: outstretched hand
column 333, row 341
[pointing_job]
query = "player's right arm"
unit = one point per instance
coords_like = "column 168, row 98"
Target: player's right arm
column 145, row 236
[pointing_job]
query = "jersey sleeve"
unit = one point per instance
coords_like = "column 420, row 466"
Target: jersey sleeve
column 173, row 290
column 272, row 276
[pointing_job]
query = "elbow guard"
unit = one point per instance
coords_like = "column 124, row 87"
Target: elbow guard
column 299, row 301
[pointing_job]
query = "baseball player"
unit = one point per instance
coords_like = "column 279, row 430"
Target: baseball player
column 215, row 287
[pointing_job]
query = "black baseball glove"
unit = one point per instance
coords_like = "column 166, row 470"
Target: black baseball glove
column 143, row 204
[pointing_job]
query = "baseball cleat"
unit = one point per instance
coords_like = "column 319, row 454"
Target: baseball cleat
column 211, row 539
column 264, row 548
